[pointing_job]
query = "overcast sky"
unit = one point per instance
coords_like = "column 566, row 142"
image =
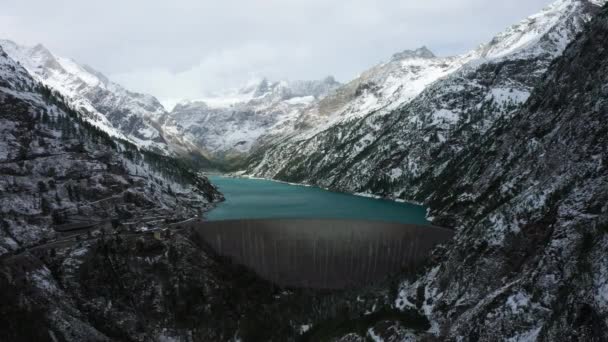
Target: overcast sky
column 187, row 48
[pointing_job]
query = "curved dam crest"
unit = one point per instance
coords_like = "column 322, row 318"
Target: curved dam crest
column 322, row 254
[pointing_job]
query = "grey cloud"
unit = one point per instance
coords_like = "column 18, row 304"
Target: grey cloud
column 185, row 48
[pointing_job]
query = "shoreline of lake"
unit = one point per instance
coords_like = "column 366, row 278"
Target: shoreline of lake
column 255, row 198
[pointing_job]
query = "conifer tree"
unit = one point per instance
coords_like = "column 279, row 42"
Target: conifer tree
column 45, row 206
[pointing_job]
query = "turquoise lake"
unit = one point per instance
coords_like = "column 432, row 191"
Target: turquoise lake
column 263, row 199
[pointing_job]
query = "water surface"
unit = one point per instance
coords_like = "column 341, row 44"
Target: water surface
column 264, row 199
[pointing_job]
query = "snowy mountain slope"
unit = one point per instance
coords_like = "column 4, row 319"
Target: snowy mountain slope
column 529, row 205
column 230, row 124
column 380, row 89
column 117, row 284
column 107, row 105
column 547, row 32
column 393, row 84
column 55, row 165
column 388, row 154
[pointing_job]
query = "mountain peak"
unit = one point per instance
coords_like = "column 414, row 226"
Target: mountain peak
column 21, row 52
column 543, row 32
column 96, row 73
column 422, row 52
column 4, row 43
column 330, row 80
column 41, row 51
column 40, row 48
column 262, row 88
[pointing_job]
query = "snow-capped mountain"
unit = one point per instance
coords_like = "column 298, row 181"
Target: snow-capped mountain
column 109, row 106
column 510, row 150
column 385, row 149
column 528, row 262
column 380, row 89
column 54, row 160
column 231, row 123
column 547, row 32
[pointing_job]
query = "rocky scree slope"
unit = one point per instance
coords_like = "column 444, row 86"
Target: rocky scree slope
column 388, row 153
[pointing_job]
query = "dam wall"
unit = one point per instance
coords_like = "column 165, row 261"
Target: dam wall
column 322, row 254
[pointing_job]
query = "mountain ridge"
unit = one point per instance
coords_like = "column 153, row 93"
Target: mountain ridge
column 45, row 141
column 114, row 109
column 385, row 151
column 229, row 126
column 528, row 203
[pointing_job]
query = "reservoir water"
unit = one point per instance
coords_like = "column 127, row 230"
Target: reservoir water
column 264, row 199
column 299, row 236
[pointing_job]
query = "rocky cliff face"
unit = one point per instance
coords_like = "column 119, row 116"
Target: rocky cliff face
column 514, row 159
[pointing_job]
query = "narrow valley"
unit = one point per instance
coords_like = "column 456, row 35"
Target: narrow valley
column 447, row 193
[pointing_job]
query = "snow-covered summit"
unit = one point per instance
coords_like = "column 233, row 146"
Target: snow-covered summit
column 379, row 89
column 12, row 75
column 231, row 122
column 546, row 32
column 422, row 52
column 263, row 90
column 109, row 106
column 43, row 140
column 383, row 124
column 393, row 84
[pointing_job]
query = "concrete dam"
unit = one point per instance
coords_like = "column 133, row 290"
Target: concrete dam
column 322, row 254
